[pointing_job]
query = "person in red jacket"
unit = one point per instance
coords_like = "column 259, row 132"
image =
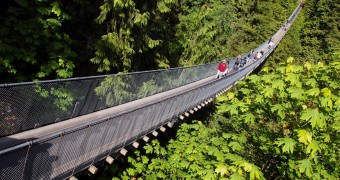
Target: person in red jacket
column 222, row 69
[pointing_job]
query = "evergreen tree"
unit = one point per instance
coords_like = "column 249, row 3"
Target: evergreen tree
column 203, row 31
column 136, row 34
column 32, row 44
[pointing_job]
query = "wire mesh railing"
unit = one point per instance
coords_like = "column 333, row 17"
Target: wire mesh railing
column 25, row 106
column 61, row 155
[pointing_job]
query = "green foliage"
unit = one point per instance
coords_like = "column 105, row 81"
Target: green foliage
column 40, row 39
column 314, row 36
column 148, row 88
column 277, row 135
column 255, row 22
column 296, row 117
column 198, row 153
column 203, row 29
column 63, row 97
column 137, row 34
column 288, row 144
column 114, row 90
column 32, row 43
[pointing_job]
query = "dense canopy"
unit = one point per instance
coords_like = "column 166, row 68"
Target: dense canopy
column 43, row 39
column 280, row 124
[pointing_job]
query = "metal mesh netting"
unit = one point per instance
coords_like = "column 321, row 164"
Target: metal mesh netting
column 41, row 160
column 62, row 156
column 12, row 164
column 29, row 105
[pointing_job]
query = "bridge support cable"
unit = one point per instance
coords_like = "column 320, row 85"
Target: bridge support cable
column 63, row 149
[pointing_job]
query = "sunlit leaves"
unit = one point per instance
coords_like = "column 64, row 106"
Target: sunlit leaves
column 305, row 136
column 235, row 146
column 254, row 171
column 336, row 65
column 313, row 92
column 254, row 79
column 249, row 118
column 293, row 68
column 162, row 7
column 290, row 60
column 142, row 19
column 268, row 78
column 296, row 93
column 244, row 91
column 268, row 92
column 279, row 109
column 311, row 82
column 336, row 126
column 222, row 98
column 221, row 169
column 278, row 84
column 326, row 92
column 313, row 116
column 230, row 95
column 326, row 137
column 237, row 176
column 292, row 128
column 326, row 102
column 298, row 108
column 259, row 98
column 294, row 79
column 313, row 148
column 287, row 144
column 305, row 166
column 232, row 109
column 307, row 65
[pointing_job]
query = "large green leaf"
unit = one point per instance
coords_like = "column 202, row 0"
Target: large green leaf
column 313, row 148
column 296, row 93
column 280, row 110
column 313, row 116
column 311, row 82
column 278, row 84
column 305, row 166
column 313, row 92
column 288, row 144
column 221, row 169
column 305, row 136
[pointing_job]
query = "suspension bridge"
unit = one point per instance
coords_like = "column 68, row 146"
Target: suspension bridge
column 56, row 129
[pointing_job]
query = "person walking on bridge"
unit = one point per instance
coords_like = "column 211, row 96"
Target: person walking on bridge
column 222, row 69
column 302, row 3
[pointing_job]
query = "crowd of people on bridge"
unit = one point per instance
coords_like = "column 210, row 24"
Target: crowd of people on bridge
column 223, row 67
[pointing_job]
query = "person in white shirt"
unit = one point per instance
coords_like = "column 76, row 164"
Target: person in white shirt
column 258, row 55
column 270, row 45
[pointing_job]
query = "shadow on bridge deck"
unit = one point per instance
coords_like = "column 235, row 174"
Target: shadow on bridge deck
column 23, row 165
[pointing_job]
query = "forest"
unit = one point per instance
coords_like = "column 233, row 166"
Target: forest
column 280, row 123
